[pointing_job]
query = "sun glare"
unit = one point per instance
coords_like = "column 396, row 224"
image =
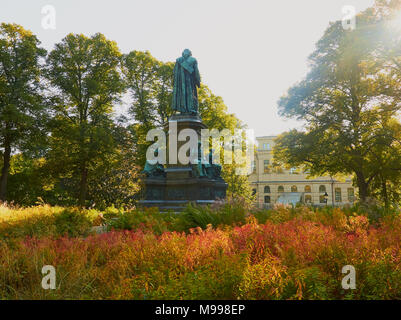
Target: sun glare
column 396, row 22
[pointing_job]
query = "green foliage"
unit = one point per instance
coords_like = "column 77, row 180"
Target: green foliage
column 116, row 181
column 85, row 71
column 217, row 279
column 45, row 221
column 349, row 101
column 150, row 84
column 298, row 253
column 201, row 216
column 28, row 181
column 147, row 219
column 76, row 151
column 33, row 222
column 72, row 222
column 220, row 214
column 22, row 111
column 265, row 280
column 214, row 114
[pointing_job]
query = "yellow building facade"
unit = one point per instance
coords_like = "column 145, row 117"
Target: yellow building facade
column 272, row 185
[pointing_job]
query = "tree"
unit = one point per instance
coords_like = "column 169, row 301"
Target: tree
column 28, row 181
column 139, row 70
column 150, row 84
column 387, row 53
column 387, row 157
column 87, row 82
column 346, row 102
column 214, row 114
column 21, row 103
column 116, row 181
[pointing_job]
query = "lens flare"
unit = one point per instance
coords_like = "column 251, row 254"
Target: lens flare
column 395, row 23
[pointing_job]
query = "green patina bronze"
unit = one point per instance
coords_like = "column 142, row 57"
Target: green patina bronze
column 206, row 169
column 175, row 185
column 154, row 170
column 186, row 82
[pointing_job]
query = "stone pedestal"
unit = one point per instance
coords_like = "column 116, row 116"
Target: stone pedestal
column 181, row 185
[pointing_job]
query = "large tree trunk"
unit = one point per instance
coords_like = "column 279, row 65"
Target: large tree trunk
column 362, row 186
column 83, row 186
column 385, row 194
column 5, row 170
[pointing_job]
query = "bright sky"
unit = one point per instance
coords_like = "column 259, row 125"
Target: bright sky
column 249, row 51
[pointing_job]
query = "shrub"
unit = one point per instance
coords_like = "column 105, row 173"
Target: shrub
column 228, row 214
column 42, row 221
column 73, row 222
column 265, row 280
column 144, row 219
column 296, row 253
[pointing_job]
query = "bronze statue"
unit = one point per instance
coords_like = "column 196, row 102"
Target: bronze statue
column 186, row 82
column 154, row 170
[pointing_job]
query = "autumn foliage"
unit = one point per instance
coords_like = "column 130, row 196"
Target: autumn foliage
column 283, row 253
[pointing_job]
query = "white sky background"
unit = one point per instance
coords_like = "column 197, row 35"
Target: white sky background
column 249, row 51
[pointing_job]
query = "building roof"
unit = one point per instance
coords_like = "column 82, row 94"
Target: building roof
column 266, row 137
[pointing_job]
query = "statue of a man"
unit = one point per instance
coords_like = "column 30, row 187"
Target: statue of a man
column 186, row 82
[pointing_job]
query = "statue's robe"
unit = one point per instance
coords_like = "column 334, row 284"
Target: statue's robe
column 186, row 82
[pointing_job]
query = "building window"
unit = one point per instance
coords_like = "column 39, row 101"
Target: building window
column 308, row 189
column 294, row 189
column 267, row 189
column 253, row 192
column 266, row 146
column 337, row 193
column 322, row 199
column 351, row 195
column 308, row 198
column 322, row 189
column 267, row 199
column 266, row 166
column 280, row 189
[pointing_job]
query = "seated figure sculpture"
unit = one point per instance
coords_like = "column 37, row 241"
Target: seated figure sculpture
column 154, row 170
column 208, row 169
column 213, row 170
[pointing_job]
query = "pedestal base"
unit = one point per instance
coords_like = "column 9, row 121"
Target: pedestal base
column 175, row 194
column 180, row 185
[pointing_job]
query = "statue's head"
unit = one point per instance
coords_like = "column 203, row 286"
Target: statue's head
column 186, row 53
